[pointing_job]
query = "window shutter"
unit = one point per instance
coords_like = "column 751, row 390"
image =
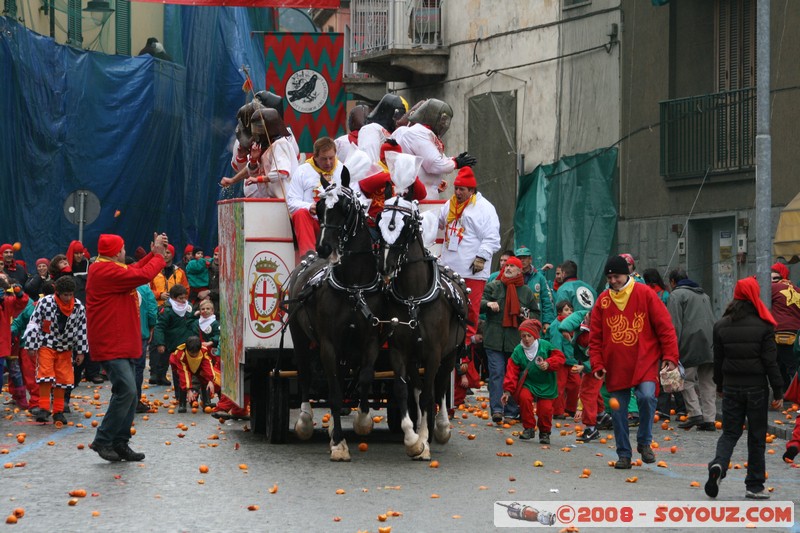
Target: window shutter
column 74, row 27
column 122, row 27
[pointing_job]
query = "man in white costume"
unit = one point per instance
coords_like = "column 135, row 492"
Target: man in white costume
column 472, row 237
column 429, row 123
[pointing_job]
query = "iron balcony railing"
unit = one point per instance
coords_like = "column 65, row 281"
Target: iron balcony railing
column 394, row 24
column 712, row 132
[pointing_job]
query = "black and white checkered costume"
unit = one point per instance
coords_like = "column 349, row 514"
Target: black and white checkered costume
column 43, row 329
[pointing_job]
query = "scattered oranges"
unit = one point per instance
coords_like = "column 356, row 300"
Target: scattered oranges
column 203, row 469
column 674, row 449
column 363, row 446
column 78, row 493
column 509, row 441
column 11, row 519
column 19, row 512
column 252, row 507
column 340, row 491
column 434, row 464
column 273, row 489
column 613, row 403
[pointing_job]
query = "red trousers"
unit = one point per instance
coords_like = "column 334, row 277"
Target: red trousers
column 569, row 384
column 476, row 287
column 27, row 364
column 544, row 408
column 306, row 229
column 591, row 399
column 474, row 309
column 226, row 404
column 473, row 381
column 795, row 440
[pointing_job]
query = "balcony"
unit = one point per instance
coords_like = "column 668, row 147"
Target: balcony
column 712, row 132
column 398, row 40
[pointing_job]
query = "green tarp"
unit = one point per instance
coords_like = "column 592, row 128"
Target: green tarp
column 567, row 210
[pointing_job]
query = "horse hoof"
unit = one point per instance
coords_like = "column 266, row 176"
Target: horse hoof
column 425, row 455
column 416, row 449
column 304, row 429
column 340, row 453
column 442, row 436
column 363, row 424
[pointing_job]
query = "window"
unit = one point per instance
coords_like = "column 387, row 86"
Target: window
column 736, row 44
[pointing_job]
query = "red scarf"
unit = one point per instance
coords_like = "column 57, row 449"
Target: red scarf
column 512, row 309
column 353, row 137
column 65, row 308
column 748, row 289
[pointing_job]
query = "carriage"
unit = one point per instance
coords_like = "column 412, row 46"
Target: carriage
column 257, row 255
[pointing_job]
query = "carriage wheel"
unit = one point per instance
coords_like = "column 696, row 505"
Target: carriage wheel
column 278, row 410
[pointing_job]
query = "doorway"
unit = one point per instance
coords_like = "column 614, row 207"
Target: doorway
column 711, row 258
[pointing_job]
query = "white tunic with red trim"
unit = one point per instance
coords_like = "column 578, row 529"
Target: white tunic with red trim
column 420, row 140
column 476, row 233
column 305, row 186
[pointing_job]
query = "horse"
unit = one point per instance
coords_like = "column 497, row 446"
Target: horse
column 333, row 300
column 428, row 303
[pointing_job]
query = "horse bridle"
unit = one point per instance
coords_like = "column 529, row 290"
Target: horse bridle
column 347, row 230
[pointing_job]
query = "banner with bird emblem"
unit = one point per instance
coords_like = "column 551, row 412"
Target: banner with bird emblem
column 306, row 68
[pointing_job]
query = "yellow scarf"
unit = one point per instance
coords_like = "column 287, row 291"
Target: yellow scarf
column 326, row 175
column 456, row 210
column 104, row 259
column 193, row 360
column 621, row 297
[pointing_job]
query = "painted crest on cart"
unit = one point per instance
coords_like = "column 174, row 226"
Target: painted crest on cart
column 307, row 91
column 266, row 272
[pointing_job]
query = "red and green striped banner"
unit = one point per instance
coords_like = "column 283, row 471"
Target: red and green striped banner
column 306, row 68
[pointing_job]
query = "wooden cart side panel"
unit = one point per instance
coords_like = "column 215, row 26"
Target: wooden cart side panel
column 231, row 299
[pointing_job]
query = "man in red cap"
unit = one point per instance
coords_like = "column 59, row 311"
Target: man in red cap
column 13, row 268
column 472, row 236
column 786, row 310
column 169, row 276
column 113, row 327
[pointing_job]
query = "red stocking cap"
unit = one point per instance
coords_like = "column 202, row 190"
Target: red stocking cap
column 781, row 269
column 109, row 245
column 466, row 178
column 534, row 327
column 748, row 289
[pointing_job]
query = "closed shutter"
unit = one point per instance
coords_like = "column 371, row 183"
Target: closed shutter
column 10, row 8
column 736, row 44
column 74, row 27
column 122, row 27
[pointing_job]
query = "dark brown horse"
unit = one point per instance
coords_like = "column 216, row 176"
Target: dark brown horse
column 334, row 299
column 429, row 304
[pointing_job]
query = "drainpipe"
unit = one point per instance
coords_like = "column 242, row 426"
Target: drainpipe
column 763, row 155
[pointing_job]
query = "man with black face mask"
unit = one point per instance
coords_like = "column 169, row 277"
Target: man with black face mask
column 271, row 160
column 429, row 124
column 381, row 122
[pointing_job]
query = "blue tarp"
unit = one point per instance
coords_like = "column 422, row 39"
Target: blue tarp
column 150, row 138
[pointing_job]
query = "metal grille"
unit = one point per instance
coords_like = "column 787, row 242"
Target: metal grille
column 10, row 8
column 712, row 131
column 74, row 26
column 122, row 27
column 394, row 24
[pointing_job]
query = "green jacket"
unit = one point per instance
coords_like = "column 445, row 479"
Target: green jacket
column 536, row 281
column 495, row 336
column 197, row 272
column 580, row 295
column 558, row 341
column 542, row 383
column 19, row 324
column 173, row 330
column 572, row 324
